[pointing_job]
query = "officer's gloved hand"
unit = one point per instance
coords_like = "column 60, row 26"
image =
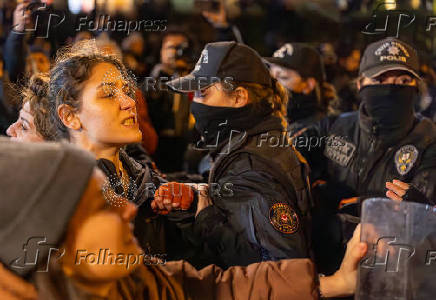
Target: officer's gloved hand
column 172, row 196
column 401, row 191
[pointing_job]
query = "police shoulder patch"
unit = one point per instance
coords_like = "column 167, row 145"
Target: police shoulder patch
column 405, row 159
column 339, row 150
column 284, row 218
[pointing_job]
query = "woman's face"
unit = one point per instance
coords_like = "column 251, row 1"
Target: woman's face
column 100, row 244
column 24, row 129
column 289, row 78
column 108, row 112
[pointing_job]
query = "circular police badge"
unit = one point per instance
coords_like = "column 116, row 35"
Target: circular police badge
column 284, row 218
column 405, row 158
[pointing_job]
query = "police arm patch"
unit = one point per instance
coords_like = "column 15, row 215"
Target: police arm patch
column 283, row 218
column 339, row 150
column 405, row 159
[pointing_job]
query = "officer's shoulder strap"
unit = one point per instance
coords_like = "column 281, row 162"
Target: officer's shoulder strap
column 345, row 118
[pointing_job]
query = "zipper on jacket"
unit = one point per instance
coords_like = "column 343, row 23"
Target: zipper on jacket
column 373, row 138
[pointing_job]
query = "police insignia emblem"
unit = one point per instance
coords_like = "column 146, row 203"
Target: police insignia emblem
column 392, row 51
column 204, row 59
column 286, row 49
column 405, row 158
column 284, row 218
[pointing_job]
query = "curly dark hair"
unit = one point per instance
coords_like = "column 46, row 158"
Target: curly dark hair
column 35, row 92
column 72, row 68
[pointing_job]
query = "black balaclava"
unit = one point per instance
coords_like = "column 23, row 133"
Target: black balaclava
column 215, row 123
column 41, row 185
column 302, row 106
column 389, row 106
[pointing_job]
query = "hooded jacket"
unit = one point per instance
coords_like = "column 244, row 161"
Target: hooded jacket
column 37, row 180
column 30, row 203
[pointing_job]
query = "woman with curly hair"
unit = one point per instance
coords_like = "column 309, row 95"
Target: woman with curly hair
column 33, row 124
column 93, row 105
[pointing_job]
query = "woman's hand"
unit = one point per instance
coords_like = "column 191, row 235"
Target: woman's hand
column 172, row 196
column 21, row 16
column 343, row 282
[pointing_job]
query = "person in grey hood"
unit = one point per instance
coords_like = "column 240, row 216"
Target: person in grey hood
column 62, row 179
column 38, row 201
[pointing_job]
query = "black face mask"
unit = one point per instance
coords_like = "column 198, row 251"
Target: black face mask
column 389, row 105
column 215, row 123
column 301, row 106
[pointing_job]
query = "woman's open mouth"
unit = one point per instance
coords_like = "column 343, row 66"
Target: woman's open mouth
column 131, row 121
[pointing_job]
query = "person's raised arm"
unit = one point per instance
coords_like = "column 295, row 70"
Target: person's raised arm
column 14, row 46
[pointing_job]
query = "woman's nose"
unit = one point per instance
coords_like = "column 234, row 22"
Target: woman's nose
column 11, row 131
column 126, row 102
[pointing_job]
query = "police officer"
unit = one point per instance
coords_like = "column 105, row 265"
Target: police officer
column 385, row 149
column 258, row 190
column 299, row 68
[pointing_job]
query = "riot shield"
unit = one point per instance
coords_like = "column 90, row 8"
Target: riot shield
column 401, row 258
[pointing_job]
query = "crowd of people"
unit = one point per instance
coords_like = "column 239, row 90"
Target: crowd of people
column 217, row 175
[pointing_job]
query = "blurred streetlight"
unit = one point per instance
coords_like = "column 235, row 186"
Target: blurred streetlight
column 391, row 5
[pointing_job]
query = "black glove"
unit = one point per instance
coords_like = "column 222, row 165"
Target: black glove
column 415, row 195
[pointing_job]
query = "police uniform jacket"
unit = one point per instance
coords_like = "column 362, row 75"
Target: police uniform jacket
column 260, row 199
column 362, row 156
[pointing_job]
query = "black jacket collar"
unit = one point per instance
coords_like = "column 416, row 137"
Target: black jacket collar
column 269, row 123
